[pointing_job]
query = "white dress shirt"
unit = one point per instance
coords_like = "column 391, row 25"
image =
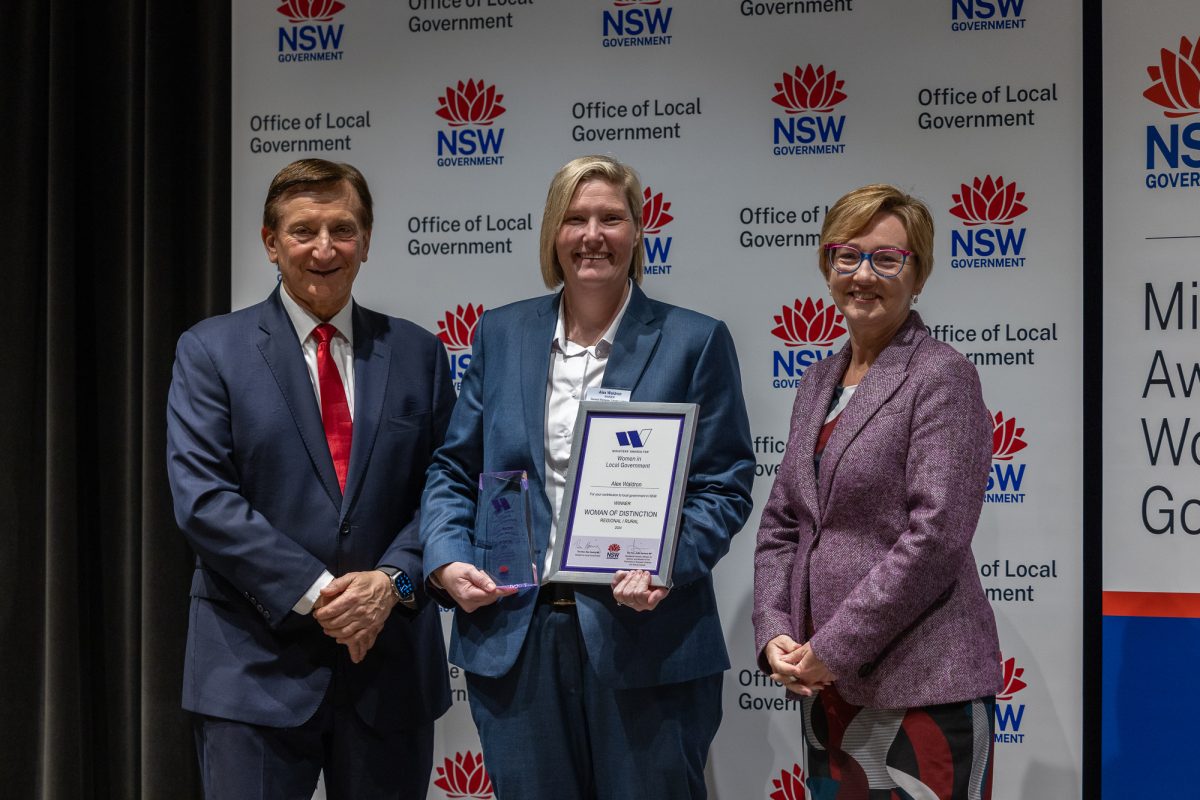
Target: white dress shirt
column 341, row 347
column 574, row 369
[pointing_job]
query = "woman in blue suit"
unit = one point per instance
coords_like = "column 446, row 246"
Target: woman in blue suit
column 590, row 691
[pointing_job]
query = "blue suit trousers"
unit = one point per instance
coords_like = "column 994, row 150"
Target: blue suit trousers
column 551, row 729
column 242, row 761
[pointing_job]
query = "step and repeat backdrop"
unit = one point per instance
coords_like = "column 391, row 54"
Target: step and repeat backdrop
column 1151, row 388
column 746, row 119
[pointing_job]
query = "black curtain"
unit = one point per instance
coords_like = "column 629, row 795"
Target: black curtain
column 117, row 198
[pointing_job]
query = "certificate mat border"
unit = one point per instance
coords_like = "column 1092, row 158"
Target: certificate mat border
column 661, row 576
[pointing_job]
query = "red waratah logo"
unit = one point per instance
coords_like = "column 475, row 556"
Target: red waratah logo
column 464, row 777
column 654, row 211
column 614, row 548
column 789, row 785
column 989, row 201
column 1012, row 678
column 470, row 103
column 457, row 328
column 809, row 89
column 809, row 323
column 1176, row 79
column 310, row 10
column 1006, row 438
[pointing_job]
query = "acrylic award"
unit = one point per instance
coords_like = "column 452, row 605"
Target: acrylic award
column 504, row 530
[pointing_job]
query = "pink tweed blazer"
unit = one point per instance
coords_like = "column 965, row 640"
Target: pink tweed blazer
column 877, row 547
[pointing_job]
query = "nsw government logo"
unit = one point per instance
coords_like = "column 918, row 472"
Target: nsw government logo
column 456, row 329
column 470, row 138
column 614, row 551
column 986, row 15
column 1004, row 482
column 988, row 237
column 637, row 23
column 1173, row 150
column 311, row 34
column 808, row 328
column 464, row 777
column 1009, row 715
column 789, row 785
column 654, row 219
column 809, row 96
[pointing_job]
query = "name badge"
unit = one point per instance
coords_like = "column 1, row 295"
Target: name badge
column 607, row 395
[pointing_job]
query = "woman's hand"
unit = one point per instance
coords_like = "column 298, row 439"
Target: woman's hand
column 631, row 588
column 813, row 674
column 470, row 586
column 781, row 654
column 796, row 666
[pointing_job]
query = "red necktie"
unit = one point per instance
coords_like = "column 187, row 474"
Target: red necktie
column 335, row 411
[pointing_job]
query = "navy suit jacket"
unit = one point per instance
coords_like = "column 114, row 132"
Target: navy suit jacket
column 257, row 498
column 662, row 353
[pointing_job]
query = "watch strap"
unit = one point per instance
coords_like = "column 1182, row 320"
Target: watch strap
column 402, row 585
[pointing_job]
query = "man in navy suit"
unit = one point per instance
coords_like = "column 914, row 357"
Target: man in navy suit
column 597, row 691
column 298, row 433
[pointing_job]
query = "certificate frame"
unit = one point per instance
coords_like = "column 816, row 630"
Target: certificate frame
column 610, row 519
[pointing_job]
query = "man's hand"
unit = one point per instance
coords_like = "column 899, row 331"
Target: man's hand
column 632, row 588
column 353, row 608
column 470, row 587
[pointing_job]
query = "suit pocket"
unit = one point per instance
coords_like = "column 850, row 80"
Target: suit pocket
column 208, row 586
column 408, row 422
column 941, row 600
column 890, row 409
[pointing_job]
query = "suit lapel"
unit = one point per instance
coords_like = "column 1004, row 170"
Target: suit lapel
column 881, row 381
column 534, row 369
column 636, row 339
column 281, row 350
column 372, row 364
column 810, row 429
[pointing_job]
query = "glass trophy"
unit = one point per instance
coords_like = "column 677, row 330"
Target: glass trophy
column 505, row 532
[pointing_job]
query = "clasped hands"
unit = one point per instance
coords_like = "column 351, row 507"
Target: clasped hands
column 353, row 608
column 796, row 666
column 471, row 587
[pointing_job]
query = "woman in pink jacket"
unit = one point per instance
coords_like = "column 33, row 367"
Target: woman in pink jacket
column 867, row 600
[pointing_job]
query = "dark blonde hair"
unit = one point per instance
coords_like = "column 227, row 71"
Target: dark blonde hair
column 312, row 173
column 558, row 199
column 851, row 214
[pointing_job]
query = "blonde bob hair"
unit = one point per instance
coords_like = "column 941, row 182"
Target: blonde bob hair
column 851, row 214
column 558, row 199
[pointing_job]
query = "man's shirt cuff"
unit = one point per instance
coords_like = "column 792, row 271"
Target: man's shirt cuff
column 304, row 604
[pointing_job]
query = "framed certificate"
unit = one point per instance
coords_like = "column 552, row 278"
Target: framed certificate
column 624, row 495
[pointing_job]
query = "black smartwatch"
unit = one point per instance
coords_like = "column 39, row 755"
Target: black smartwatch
column 402, row 585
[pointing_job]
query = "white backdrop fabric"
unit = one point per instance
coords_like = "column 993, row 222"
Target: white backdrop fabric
column 745, row 119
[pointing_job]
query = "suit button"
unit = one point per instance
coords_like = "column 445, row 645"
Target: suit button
column 345, row 529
